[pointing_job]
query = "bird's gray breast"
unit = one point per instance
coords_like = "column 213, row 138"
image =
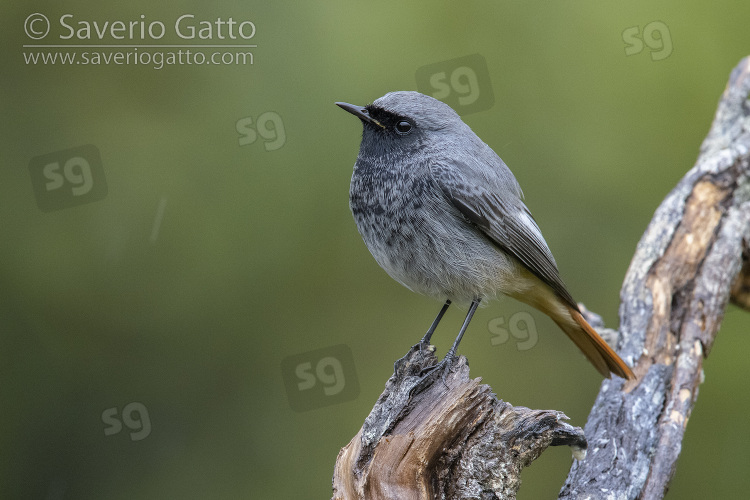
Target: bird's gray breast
column 389, row 207
column 417, row 236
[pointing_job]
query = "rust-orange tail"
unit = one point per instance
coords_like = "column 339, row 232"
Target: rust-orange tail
column 601, row 355
column 538, row 294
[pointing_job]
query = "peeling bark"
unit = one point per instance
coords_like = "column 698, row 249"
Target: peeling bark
column 445, row 438
column 691, row 260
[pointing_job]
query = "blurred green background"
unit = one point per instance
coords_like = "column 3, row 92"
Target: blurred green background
column 216, row 255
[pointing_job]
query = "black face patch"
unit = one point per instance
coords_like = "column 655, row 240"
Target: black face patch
column 386, row 118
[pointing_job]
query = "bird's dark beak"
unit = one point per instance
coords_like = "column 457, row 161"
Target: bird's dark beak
column 360, row 112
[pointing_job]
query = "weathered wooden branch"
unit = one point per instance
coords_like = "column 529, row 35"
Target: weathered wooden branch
column 445, row 438
column 691, row 260
column 451, row 438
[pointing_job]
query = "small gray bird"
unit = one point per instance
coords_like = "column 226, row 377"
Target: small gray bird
column 444, row 216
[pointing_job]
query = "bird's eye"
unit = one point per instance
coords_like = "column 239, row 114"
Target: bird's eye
column 403, row 127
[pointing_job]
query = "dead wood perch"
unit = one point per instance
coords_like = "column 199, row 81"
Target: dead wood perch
column 445, row 439
column 454, row 439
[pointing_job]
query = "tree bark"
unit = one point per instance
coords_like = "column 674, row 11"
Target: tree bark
column 445, row 437
column 450, row 437
column 691, row 261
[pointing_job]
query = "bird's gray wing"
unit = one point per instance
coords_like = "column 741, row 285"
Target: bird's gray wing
column 489, row 201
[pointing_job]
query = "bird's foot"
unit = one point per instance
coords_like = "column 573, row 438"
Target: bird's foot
column 413, row 363
column 441, row 369
column 425, row 348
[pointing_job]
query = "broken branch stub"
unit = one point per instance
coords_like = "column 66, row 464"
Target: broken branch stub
column 445, row 437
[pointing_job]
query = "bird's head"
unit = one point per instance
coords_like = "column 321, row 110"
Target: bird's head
column 403, row 122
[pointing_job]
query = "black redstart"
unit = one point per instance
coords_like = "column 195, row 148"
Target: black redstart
column 444, row 216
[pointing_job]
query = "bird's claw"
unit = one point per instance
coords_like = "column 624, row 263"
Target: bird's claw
column 443, row 368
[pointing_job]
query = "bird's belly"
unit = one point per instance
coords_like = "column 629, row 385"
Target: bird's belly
column 431, row 257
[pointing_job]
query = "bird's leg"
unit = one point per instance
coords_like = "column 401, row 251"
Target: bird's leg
column 427, row 336
column 425, row 349
column 469, row 315
column 445, row 364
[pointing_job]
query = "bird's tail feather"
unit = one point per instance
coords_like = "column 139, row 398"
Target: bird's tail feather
column 569, row 319
column 601, row 355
